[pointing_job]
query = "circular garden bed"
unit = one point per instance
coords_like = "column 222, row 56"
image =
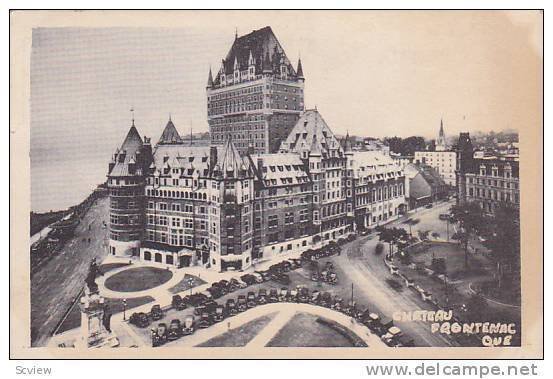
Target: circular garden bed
column 138, row 279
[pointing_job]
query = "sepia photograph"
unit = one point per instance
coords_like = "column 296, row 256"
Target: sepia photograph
column 216, row 184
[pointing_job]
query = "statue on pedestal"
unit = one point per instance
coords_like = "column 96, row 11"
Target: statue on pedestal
column 95, row 315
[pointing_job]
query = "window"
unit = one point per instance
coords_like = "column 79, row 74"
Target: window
column 175, row 222
column 272, row 221
column 289, row 218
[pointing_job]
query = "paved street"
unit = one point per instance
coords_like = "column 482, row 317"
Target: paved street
column 368, row 273
column 59, row 281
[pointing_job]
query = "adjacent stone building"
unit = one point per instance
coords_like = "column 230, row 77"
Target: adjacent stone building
column 444, row 161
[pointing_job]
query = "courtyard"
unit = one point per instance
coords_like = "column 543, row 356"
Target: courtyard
column 138, row 279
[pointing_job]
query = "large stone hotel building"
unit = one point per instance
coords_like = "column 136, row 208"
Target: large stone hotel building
column 275, row 179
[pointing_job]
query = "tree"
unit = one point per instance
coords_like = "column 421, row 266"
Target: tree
column 470, row 217
column 504, row 240
column 394, row 236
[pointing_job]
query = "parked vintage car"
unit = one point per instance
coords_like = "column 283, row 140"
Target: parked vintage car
column 315, row 297
column 391, row 336
column 373, row 322
column 265, row 275
column 303, row 295
column 176, row 302
column 325, row 299
column 156, row 313
column 188, row 325
column 237, row 283
column 249, row 279
column 219, row 313
column 258, row 277
column 283, row 294
column 159, row 335
column 262, row 296
column 251, row 300
column 444, row 217
column 242, row 304
column 293, row 295
column 385, row 324
column 273, row 295
column 225, row 286
column 205, row 320
column 315, row 277
column 197, row 299
column 231, row 307
column 140, row 319
column 294, row 263
column 338, row 304
column 174, row 330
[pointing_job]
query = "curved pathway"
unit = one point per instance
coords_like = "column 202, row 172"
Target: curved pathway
column 285, row 312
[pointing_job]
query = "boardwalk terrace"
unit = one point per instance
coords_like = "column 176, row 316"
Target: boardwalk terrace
column 256, row 96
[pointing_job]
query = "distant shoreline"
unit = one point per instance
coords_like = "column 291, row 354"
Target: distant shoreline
column 40, row 220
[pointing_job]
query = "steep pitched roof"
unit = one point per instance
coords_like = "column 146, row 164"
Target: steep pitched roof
column 312, row 134
column 170, row 135
column 132, row 141
column 231, row 164
column 264, row 48
column 279, row 169
column 300, row 69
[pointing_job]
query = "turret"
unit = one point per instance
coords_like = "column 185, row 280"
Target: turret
column 267, row 67
column 300, row 71
column 210, row 79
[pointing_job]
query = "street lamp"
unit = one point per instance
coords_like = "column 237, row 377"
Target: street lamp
column 124, row 309
column 190, row 282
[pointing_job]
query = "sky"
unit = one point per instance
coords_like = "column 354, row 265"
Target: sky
column 368, row 73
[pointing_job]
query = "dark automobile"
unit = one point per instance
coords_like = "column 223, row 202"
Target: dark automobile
column 282, row 279
column 337, row 304
column 444, row 217
column 249, row 279
column 215, row 291
column 178, row 303
column 156, row 313
column 303, row 295
column 283, row 294
column 332, row 278
column 275, row 269
column 140, row 319
column 273, row 295
column 292, row 296
column 242, row 304
column 385, row 324
column 235, row 283
column 365, row 232
column 174, row 330
column 219, row 313
column 251, row 300
column 265, row 275
column 325, row 300
column 262, row 296
column 207, row 306
column 294, row 263
column 224, row 285
column 159, row 335
column 315, row 297
column 286, row 266
column 428, row 206
column 196, row 299
column 351, row 237
column 329, row 266
column 188, row 325
column 373, row 322
column 205, row 320
column 231, row 307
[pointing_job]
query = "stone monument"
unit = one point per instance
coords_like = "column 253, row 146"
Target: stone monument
column 95, row 315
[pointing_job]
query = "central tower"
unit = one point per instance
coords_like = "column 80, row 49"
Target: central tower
column 256, row 96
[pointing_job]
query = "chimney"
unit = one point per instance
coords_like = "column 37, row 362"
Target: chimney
column 260, row 166
column 212, row 157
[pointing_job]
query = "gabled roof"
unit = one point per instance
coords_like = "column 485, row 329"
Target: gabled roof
column 260, row 44
column 312, row 134
column 170, row 134
column 231, row 164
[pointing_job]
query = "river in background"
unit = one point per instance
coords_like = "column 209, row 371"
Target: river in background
column 58, row 185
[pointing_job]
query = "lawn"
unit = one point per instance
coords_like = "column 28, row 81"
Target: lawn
column 73, row 319
column 138, row 279
column 303, row 330
column 240, row 336
column 187, row 282
column 111, row 266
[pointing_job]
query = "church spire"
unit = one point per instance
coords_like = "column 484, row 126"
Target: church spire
column 300, row 70
column 210, row 79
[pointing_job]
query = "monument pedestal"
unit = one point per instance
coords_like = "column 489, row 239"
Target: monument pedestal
column 93, row 331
